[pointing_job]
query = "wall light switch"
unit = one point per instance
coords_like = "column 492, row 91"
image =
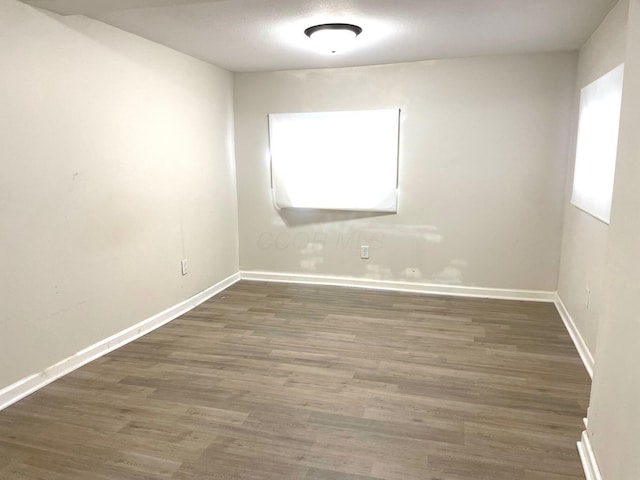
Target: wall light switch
column 364, row 251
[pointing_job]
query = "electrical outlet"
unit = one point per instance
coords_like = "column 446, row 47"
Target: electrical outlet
column 364, row 251
column 183, row 266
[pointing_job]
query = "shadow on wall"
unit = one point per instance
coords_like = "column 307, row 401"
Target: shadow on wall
column 301, row 217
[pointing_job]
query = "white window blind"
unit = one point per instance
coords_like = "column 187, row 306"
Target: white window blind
column 335, row 160
column 597, row 145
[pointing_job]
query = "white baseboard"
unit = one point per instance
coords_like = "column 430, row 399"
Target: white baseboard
column 589, row 464
column 578, row 341
column 28, row 385
column 432, row 289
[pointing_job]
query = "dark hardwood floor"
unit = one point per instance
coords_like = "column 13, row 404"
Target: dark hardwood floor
column 277, row 381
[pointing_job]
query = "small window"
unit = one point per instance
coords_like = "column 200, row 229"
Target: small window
column 335, row 160
column 597, row 145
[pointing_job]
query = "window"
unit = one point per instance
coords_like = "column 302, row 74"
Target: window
column 335, row 160
column 597, row 145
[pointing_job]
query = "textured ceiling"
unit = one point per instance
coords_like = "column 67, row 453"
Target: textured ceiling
column 258, row 35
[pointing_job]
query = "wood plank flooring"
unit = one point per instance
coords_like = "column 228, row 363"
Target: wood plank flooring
column 277, row 381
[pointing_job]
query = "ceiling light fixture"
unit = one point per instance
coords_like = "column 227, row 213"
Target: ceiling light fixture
column 333, row 37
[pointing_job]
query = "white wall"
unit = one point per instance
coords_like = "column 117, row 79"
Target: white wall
column 484, row 143
column 117, row 161
column 584, row 244
column 614, row 412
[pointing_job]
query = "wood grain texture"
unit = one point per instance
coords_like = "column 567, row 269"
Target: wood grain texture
column 282, row 381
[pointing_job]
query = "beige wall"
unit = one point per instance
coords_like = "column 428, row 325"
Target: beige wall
column 584, row 242
column 614, row 413
column 484, row 143
column 117, row 161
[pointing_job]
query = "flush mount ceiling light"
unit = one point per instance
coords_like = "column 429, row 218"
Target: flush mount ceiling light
column 333, row 37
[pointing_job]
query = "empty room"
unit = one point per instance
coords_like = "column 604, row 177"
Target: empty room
column 318, row 240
